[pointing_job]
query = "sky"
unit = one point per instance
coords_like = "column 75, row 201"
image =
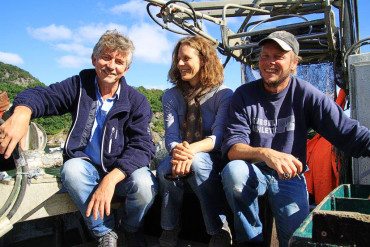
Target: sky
column 53, row 40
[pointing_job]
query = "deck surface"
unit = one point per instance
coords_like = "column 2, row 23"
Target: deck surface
column 153, row 242
column 43, row 200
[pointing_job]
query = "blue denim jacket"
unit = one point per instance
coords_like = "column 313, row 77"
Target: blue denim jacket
column 126, row 142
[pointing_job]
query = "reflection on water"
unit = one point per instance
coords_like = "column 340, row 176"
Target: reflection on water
column 320, row 75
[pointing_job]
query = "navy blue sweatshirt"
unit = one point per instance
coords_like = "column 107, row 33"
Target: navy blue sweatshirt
column 281, row 121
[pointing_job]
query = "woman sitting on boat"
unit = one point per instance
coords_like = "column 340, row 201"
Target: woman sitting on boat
column 195, row 111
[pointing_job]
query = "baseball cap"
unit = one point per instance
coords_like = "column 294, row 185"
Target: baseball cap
column 284, row 39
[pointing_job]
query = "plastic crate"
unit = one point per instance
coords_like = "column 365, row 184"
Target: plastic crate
column 341, row 219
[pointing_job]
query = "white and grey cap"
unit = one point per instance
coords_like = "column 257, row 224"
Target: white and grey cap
column 284, row 39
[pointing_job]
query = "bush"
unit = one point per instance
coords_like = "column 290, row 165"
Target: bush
column 154, row 96
column 55, row 124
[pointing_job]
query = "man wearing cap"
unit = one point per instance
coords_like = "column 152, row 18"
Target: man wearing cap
column 266, row 136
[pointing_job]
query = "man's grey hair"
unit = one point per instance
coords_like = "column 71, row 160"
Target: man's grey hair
column 112, row 40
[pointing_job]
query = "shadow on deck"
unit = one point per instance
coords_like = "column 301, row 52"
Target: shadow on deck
column 48, row 216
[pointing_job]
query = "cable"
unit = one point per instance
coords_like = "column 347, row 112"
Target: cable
column 160, row 24
column 19, row 189
column 193, row 17
column 20, row 161
column 196, row 24
column 365, row 41
column 12, row 196
column 355, row 46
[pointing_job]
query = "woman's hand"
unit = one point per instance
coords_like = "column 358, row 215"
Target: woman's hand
column 182, row 158
column 182, row 152
column 180, row 167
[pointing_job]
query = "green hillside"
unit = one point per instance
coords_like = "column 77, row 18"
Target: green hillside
column 14, row 80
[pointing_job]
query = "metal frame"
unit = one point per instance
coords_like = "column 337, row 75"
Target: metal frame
column 321, row 39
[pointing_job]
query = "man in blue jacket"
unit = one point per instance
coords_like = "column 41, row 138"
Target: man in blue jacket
column 109, row 145
column 266, row 141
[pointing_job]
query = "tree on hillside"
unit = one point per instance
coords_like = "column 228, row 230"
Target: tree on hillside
column 154, row 97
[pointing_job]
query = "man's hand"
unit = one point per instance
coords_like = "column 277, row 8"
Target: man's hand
column 101, row 199
column 282, row 163
column 14, row 130
column 286, row 165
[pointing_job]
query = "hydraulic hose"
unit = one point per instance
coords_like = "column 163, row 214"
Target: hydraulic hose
column 15, row 191
column 20, row 161
column 352, row 49
column 13, row 195
column 17, row 194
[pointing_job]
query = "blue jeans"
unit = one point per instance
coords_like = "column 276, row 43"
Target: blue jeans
column 206, row 184
column 243, row 182
column 81, row 178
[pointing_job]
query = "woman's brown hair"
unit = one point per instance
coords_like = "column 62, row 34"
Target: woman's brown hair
column 211, row 73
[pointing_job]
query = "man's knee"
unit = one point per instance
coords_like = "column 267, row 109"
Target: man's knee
column 73, row 170
column 146, row 185
column 239, row 180
column 235, row 173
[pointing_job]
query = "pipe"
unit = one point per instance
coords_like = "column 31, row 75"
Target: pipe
column 20, row 161
column 17, row 194
column 13, row 194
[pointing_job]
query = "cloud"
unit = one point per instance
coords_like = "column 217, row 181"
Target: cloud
column 50, row 33
column 70, row 61
column 151, row 43
column 74, row 48
column 92, row 32
column 134, row 8
column 10, row 58
column 80, row 48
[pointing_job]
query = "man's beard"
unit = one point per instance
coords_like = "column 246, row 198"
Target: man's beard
column 273, row 84
column 277, row 83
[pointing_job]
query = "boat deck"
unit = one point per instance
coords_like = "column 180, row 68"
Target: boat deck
column 45, row 199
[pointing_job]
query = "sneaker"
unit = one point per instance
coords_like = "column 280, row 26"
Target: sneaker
column 221, row 239
column 169, row 238
column 108, row 240
column 134, row 239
